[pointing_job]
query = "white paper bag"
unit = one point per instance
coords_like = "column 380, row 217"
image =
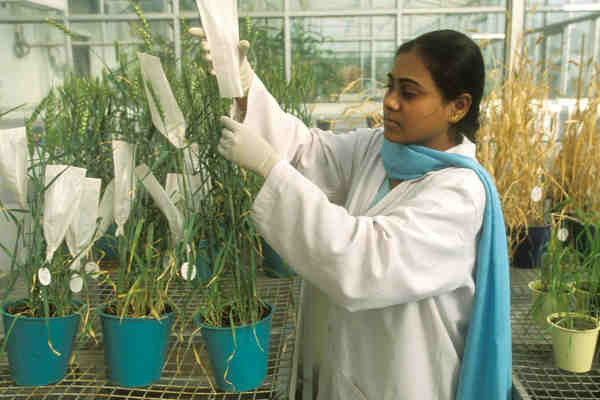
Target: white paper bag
column 63, row 185
column 8, row 239
column 190, row 191
column 173, row 125
column 106, row 210
column 220, row 23
column 124, row 186
column 162, row 200
column 13, row 167
column 82, row 228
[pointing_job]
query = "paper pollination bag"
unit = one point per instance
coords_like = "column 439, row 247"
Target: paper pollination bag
column 160, row 197
column 124, row 182
column 220, row 23
column 81, row 231
column 13, row 193
column 172, row 123
column 13, row 167
column 190, row 189
column 61, row 200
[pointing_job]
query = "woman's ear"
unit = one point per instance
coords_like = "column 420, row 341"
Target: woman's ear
column 460, row 107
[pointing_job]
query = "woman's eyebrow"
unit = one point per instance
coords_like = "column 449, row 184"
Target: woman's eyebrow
column 401, row 80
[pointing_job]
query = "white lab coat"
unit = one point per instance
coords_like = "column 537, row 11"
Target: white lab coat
column 399, row 275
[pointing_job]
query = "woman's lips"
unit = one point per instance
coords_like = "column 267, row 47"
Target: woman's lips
column 390, row 123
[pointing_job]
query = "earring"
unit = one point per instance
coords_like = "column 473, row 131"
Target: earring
column 454, row 118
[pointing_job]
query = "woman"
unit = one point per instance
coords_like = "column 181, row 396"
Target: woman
column 399, row 226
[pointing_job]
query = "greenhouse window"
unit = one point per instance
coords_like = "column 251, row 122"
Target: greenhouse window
column 55, row 4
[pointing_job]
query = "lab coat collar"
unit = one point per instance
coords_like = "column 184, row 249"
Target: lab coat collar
column 466, row 148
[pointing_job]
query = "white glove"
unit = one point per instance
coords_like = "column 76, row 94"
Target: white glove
column 246, row 72
column 248, row 150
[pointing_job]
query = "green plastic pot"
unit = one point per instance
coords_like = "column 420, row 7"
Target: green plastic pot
column 574, row 338
column 32, row 362
column 135, row 349
column 238, row 355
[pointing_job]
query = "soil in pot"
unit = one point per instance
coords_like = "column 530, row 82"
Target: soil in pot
column 226, row 320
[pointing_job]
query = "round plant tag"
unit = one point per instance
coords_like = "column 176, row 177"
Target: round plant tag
column 188, row 273
column 536, row 194
column 562, row 234
column 76, row 283
column 44, row 276
column 91, row 268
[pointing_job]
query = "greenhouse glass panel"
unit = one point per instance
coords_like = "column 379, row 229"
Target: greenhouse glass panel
column 28, row 9
column 260, row 5
column 580, row 68
column 383, row 27
column 451, row 3
column 493, row 56
column 318, row 5
column 557, row 42
column 469, row 23
column 187, row 5
column 340, row 50
column 537, row 3
column 84, row 7
column 549, row 20
column 94, row 49
column 34, row 57
column 349, row 28
column 266, row 40
column 125, row 6
column 543, row 56
column 384, row 54
column 383, row 4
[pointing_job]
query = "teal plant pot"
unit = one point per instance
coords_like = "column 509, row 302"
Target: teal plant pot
column 135, row 348
column 273, row 264
column 240, row 363
column 31, row 360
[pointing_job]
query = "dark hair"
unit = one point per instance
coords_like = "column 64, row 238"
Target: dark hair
column 456, row 65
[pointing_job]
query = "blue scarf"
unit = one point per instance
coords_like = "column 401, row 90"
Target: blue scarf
column 486, row 369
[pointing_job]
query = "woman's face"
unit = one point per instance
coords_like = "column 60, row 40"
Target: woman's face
column 413, row 108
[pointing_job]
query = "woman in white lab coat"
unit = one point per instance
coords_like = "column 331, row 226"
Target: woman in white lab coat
column 397, row 258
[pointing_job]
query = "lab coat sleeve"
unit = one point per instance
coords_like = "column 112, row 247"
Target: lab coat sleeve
column 323, row 157
column 423, row 247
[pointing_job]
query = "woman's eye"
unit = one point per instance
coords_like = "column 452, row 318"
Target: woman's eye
column 408, row 95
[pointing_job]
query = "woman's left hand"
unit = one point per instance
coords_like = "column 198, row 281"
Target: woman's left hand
column 245, row 148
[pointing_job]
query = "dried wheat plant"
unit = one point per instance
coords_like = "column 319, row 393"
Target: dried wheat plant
column 369, row 107
column 516, row 148
column 578, row 163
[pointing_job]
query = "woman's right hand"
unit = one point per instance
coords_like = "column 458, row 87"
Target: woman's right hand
column 246, row 72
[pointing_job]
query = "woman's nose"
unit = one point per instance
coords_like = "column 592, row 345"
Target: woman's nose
column 390, row 101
